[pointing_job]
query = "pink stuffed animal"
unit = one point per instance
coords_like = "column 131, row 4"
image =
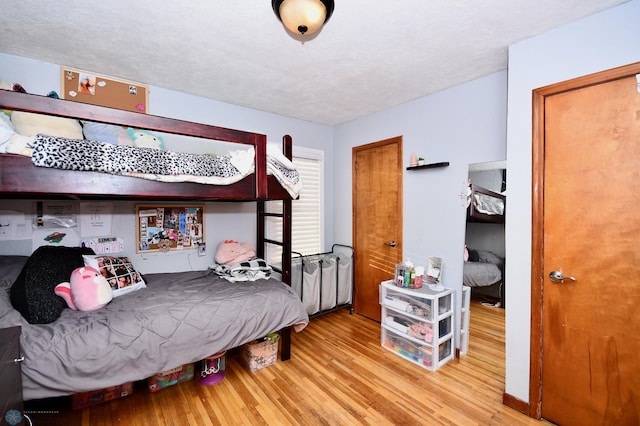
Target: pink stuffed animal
column 231, row 252
column 87, row 290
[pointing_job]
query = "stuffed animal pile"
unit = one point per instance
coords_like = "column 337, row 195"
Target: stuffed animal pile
column 19, row 128
column 231, row 252
column 236, row 261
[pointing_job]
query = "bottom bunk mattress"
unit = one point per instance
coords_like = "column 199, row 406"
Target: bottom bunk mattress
column 481, row 274
column 481, row 268
column 177, row 319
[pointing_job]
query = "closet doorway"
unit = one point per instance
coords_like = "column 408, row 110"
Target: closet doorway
column 483, row 273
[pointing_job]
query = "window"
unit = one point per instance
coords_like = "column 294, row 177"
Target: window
column 308, row 217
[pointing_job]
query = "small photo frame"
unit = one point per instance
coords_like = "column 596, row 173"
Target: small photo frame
column 87, row 84
column 434, row 273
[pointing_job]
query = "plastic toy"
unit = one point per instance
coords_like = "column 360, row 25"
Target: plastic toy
column 213, row 369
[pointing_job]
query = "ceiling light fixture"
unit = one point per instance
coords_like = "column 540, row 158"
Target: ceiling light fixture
column 303, row 17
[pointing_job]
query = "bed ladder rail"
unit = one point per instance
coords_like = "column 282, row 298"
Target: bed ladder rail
column 285, row 215
column 262, row 241
column 285, row 266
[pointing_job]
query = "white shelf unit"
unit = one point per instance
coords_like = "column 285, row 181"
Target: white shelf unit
column 464, row 319
column 417, row 324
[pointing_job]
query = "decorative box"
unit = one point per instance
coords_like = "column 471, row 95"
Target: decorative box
column 170, row 378
column 88, row 399
column 261, row 353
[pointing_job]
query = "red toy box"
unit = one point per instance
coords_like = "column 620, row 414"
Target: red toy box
column 88, row 399
column 170, row 378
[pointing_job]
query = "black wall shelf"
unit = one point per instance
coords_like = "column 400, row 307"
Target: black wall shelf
column 429, row 166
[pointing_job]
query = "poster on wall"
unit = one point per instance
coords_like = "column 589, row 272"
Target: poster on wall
column 65, row 237
column 96, row 218
column 169, row 227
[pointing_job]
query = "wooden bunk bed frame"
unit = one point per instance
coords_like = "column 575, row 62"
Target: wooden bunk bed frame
column 20, row 179
column 474, row 215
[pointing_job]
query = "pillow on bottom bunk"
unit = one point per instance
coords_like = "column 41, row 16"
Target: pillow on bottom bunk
column 250, row 270
column 118, row 271
column 484, row 256
column 32, row 294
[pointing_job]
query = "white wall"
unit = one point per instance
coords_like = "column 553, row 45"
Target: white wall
column 597, row 43
column 465, row 124
column 234, row 220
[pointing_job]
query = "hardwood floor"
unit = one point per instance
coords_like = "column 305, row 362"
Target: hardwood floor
column 338, row 375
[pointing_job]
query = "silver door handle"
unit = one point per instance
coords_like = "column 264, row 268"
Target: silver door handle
column 558, row 277
column 391, row 243
column 17, row 360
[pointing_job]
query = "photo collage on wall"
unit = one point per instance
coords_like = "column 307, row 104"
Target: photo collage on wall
column 165, row 228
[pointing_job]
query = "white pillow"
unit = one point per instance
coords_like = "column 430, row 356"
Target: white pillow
column 6, row 130
column 30, row 124
column 118, row 271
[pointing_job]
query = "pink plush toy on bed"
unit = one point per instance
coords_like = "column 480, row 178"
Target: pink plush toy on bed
column 231, row 252
column 87, row 290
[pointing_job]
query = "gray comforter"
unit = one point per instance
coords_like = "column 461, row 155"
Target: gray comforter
column 179, row 318
column 481, row 274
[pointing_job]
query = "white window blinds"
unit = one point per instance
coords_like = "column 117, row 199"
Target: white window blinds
column 307, row 225
column 307, row 215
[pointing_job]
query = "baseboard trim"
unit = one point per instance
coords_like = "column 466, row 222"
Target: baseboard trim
column 515, row 403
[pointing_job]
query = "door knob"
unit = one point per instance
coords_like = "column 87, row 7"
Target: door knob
column 391, row 243
column 558, row 277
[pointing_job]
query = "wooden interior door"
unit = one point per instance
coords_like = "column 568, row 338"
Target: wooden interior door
column 377, row 220
column 586, row 226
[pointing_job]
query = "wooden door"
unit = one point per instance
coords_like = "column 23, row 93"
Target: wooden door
column 377, row 220
column 587, row 226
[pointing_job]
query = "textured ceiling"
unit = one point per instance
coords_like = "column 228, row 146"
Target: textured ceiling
column 371, row 55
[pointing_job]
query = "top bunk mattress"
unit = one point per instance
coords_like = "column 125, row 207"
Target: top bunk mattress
column 484, row 205
column 241, row 161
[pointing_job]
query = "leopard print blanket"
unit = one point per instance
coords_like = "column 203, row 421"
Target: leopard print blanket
column 88, row 155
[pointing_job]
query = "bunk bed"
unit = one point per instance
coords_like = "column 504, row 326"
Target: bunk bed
column 179, row 317
column 484, row 205
column 483, row 268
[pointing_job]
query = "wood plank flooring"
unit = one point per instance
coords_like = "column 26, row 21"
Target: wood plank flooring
column 338, row 375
